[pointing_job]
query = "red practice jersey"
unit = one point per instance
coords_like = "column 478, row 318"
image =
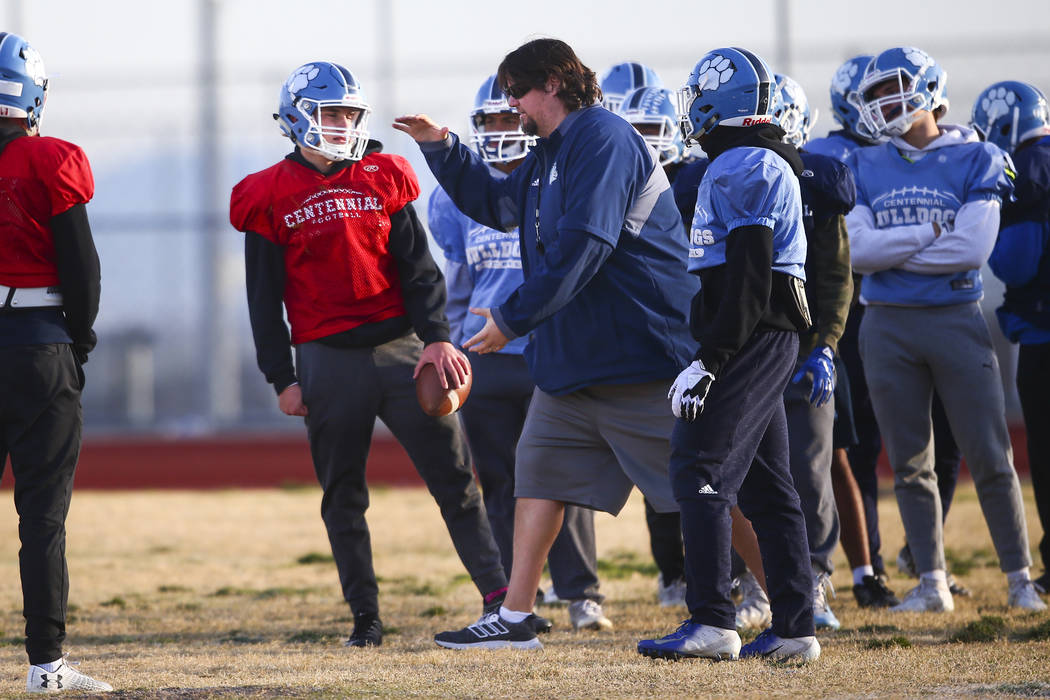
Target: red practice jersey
column 40, row 177
column 335, row 231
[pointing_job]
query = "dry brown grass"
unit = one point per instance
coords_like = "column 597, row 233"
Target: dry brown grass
column 201, row 594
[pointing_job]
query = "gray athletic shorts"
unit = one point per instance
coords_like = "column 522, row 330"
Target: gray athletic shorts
column 591, row 447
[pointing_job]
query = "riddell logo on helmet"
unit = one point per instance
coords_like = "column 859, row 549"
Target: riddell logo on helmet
column 751, row 121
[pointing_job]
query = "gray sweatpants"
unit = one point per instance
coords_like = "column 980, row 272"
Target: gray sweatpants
column 810, row 431
column 907, row 353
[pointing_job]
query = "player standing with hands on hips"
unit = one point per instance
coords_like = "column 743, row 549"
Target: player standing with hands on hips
column 49, row 292
column 604, row 302
column 330, row 234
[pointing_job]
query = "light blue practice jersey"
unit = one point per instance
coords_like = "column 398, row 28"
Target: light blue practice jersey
column 748, row 186
column 901, row 192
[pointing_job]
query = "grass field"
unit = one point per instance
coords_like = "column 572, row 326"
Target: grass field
column 233, row 594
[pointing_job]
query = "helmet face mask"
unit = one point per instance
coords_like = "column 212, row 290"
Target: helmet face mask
column 309, row 92
column 652, row 112
column 1010, row 112
column 23, row 81
column 898, row 85
column 496, row 146
column 624, row 78
column 727, row 87
column 791, row 111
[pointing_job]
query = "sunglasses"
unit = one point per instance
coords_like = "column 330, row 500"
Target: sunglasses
column 518, row 90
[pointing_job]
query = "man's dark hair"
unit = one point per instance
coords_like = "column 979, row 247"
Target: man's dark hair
column 539, row 60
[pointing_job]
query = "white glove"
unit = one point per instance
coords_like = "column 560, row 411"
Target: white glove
column 689, row 390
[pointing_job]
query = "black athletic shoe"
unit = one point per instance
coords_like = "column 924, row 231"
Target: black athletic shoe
column 874, row 593
column 491, row 632
column 1042, row 584
column 956, row 588
column 540, row 625
column 368, row 632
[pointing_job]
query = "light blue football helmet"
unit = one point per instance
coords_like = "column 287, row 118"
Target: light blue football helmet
column 652, row 112
column 308, row 90
column 919, row 84
column 622, row 79
column 791, row 111
column 843, row 84
column 727, row 87
column 23, row 81
column 1010, row 112
column 496, row 146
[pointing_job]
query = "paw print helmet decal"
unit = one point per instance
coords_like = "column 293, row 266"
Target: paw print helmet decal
column 313, row 87
column 843, row 84
column 622, row 79
column 1010, row 112
column 727, row 87
column 23, row 81
column 651, row 111
column 918, row 84
column 791, row 111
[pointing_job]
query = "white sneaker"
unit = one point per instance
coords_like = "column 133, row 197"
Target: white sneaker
column 928, row 596
column 1023, row 595
column 586, row 614
column 823, row 617
column 551, row 598
column 794, row 650
column 64, row 677
column 692, row 640
column 672, row 594
column 753, row 611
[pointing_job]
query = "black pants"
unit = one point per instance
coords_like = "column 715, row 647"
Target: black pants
column 737, row 452
column 1033, row 385
column 345, row 389
column 40, row 424
column 665, row 542
column 864, row 456
column 493, row 418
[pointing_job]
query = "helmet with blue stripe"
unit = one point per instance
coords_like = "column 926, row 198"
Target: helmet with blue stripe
column 1010, row 112
column 727, row 87
column 652, row 112
column 23, row 81
column 916, row 83
column 496, row 146
column 843, row 84
column 313, row 87
column 624, row 78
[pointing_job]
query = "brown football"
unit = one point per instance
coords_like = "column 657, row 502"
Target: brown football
column 436, row 400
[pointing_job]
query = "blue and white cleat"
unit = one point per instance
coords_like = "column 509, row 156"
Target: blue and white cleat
column 693, row 641
column 798, row 650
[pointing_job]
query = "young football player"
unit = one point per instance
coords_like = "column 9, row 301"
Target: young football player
column 730, row 444
column 332, row 239
column 49, row 293
column 926, row 219
column 1014, row 116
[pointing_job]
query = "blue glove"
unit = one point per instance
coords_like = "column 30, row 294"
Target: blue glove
column 821, row 366
column 689, row 390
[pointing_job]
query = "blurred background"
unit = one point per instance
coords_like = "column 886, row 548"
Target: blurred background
column 172, row 102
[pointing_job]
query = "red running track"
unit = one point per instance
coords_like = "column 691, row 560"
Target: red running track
column 258, row 461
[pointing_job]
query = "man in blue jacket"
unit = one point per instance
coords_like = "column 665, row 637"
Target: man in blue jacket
column 604, row 302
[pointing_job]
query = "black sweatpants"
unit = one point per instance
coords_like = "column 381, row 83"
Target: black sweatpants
column 1033, row 386
column 345, row 389
column 40, row 428
column 736, row 451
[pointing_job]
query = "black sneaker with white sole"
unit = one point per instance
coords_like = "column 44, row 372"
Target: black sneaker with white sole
column 491, row 632
column 874, row 593
column 539, row 624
